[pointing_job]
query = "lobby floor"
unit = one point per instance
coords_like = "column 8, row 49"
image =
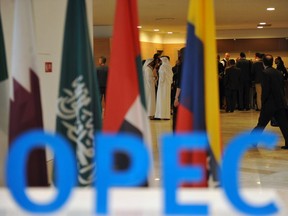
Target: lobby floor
column 260, row 168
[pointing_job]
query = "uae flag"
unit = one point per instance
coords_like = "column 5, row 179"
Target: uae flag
column 25, row 102
column 78, row 109
column 199, row 108
column 4, row 110
column 125, row 109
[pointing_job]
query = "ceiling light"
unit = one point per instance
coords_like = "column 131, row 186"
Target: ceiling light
column 156, row 30
column 139, row 27
column 270, row 9
column 260, row 27
column 262, row 23
column 169, row 32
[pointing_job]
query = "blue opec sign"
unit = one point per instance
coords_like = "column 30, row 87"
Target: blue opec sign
column 106, row 144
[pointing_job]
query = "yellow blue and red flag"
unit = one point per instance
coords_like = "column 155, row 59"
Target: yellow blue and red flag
column 199, row 103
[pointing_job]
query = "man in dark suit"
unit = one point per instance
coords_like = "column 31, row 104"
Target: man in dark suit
column 178, row 76
column 257, row 73
column 273, row 99
column 231, row 83
column 244, row 88
column 102, row 73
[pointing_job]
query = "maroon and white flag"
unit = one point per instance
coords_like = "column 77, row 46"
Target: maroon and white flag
column 25, row 98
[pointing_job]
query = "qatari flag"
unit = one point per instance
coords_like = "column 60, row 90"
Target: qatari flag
column 25, row 101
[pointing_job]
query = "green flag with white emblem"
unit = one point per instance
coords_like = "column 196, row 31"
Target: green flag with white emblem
column 79, row 111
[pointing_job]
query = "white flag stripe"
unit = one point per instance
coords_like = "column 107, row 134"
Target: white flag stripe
column 141, row 122
column 137, row 116
column 23, row 43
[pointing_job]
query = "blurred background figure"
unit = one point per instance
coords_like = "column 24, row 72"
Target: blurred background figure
column 281, row 67
column 231, row 83
column 177, row 78
column 150, row 78
column 273, row 100
column 257, row 74
column 221, row 69
column 225, row 64
column 244, row 88
column 102, row 74
column 164, row 89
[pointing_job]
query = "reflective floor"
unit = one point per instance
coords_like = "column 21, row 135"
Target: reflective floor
column 260, row 168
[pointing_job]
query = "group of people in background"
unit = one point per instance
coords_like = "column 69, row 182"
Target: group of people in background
column 241, row 80
column 243, row 84
column 158, row 77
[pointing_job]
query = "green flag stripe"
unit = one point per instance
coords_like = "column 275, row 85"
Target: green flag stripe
column 3, row 65
column 140, row 80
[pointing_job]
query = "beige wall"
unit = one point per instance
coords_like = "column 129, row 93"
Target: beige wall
column 276, row 47
column 102, row 48
column 148, row 49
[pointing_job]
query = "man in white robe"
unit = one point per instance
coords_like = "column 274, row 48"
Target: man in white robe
column 150, row 78
column 163, row 103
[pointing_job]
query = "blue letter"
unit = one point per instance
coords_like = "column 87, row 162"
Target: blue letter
column 15, row 169
column 229, row 175
column 173, row 173
column 136, row 174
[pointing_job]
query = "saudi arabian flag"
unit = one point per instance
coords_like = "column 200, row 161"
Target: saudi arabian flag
column 4, row 98
column 79, row 112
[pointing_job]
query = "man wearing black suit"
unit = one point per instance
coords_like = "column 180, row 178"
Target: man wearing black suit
column 273, row 99
column 257, row 73
column 244, row 88
column 231, row 83
column 102, row 74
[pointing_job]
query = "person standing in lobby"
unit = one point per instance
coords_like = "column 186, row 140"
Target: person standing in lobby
column 244, row 88
column 221, row 82
column 178, row 76
column 257, row 73
column 150, row 78
column 102, row 74
column 231, row 83
column 225, row 60
column 225, row 64
column 164, row 89
column 281, row 67
column 273, row 99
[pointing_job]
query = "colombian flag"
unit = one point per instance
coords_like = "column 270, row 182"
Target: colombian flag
column 199, row 108
column 125, row 109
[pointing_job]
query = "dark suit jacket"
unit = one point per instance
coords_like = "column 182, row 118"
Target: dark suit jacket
column 257, row 71
column 232, row 78
column 273, row 96
column 245, row 66
column 102, row 73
